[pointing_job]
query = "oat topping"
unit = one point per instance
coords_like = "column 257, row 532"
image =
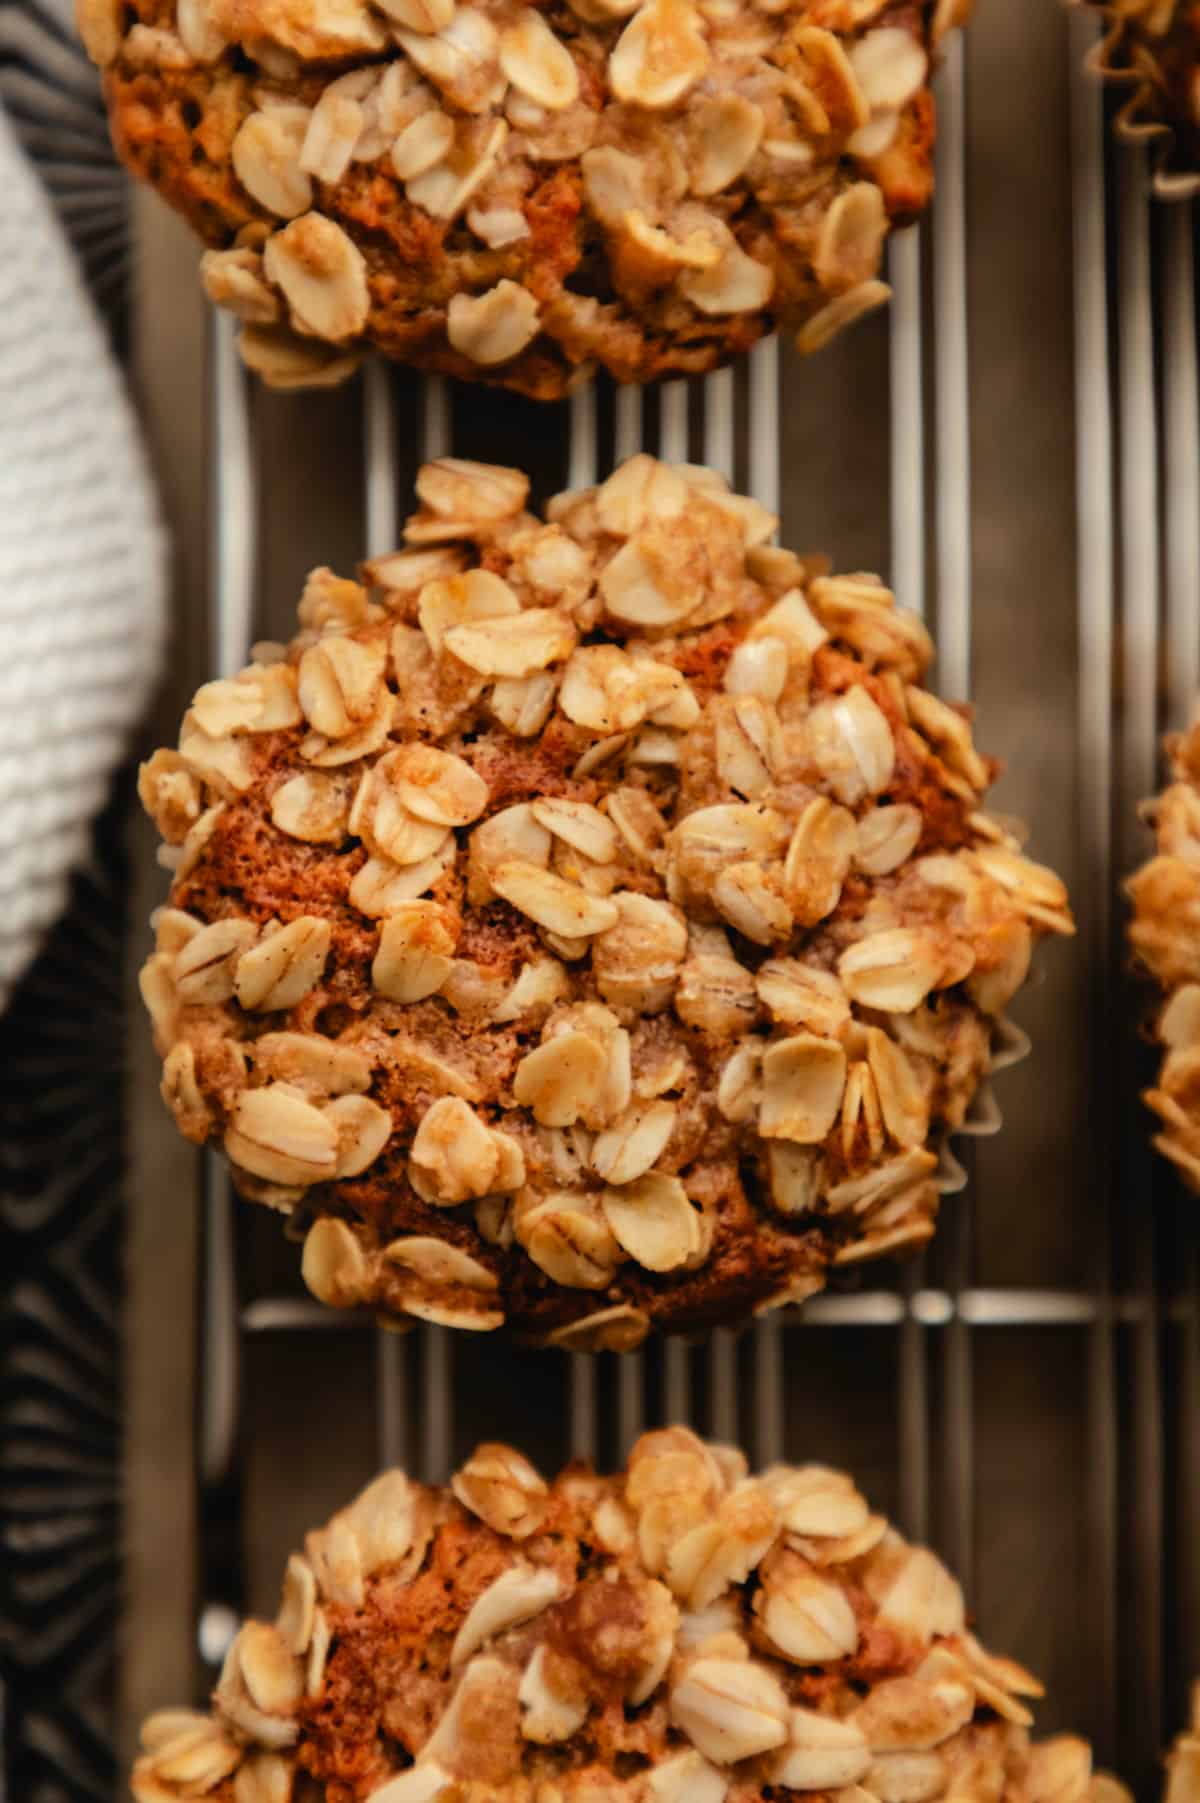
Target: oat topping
column 588, row 923
column 517, row 192
column 1164, row 934
column 1151, row 49
column 681, row 1633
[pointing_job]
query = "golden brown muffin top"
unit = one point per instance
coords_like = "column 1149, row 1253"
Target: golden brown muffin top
column 513, row 192
column 679, row 1633
column 586, row 922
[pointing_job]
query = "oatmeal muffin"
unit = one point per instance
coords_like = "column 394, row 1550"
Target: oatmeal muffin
column 586, row 922
column 1152, row 47
column 681, row 1633
column 1164, row 933
column 514, row 192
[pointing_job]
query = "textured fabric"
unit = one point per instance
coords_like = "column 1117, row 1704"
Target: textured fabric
column 82, row 565
column 51, row 92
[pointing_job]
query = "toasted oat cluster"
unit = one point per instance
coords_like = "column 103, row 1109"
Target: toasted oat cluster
column 586, row 922
column 1165, row 935
column 516, row 192
column 1152, row 47
column 681, row 1633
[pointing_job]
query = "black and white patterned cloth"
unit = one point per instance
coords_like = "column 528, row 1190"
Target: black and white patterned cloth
column 51, row 94
column 82, row 618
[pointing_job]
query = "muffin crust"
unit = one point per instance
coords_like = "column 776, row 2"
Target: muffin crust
column 516, row 193
column 586, row 923
column 681, row 1633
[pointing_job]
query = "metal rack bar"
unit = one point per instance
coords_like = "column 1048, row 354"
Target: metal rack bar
column 628, row 434
column 234, row 502
column 435, row 420
column 1181, row 468
column 232, row 560
column 582, row 469
column 673, row 422
column 978, row 1307
column 769, row 1416
column 722, row 1380
column 719, row 423
column 677, row 1382
column 764, row 423
column 1095, row 578
column 718, row 446
column 1181, row 475
column 952, row 385
column 583, row 457
column 907, row 423
column 630, row 1401
column 437, row 1403
column 763, row 482
column 673, row 447
column 1138, row 491
column 1140, row 596
column 908, row 544
column 380, row 528
column 951, row 303
column 380, row 499
column 436, row 1343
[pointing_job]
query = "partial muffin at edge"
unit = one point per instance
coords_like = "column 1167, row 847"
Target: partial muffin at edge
column 1152, row 48
column 679, row 1633
column 590, row 923
column 1164, row 934
column 516, row 193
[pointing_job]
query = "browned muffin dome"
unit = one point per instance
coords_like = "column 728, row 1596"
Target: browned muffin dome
column 1165, row 935
column 516, row 192
column 1152, row 47
column 586, row 923
column 681, row 1633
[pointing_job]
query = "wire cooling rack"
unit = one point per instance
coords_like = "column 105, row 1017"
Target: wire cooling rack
column 1018, row 446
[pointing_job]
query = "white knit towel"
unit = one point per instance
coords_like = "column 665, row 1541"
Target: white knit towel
column 82, row 564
